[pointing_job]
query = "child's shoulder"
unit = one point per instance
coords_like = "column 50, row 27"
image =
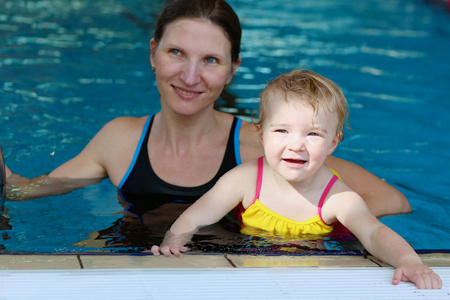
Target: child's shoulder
column 246, row 168
column 243, row 172
column 340, row 186
column 340, row 194
column 338, row 190
column 341, row 200
column 241, row 179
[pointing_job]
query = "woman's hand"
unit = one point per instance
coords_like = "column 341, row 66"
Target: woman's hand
column 421, row 275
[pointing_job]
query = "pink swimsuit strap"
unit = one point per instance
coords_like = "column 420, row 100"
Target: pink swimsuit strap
column 324, row 195
column 259, row 179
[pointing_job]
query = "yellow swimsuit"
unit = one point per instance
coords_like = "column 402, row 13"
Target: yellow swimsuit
column 259, row 216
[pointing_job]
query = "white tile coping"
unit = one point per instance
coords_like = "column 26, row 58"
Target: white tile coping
column 218, row 283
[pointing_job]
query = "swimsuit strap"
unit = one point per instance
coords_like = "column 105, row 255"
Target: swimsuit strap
column 324, row 195
column 237, row 150
column 142, row 142
column 259, row 179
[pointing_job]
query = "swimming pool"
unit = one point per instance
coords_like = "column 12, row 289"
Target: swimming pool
column 67, row 68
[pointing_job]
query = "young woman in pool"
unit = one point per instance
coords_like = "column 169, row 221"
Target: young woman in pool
column 179, row 153
column 302, row 119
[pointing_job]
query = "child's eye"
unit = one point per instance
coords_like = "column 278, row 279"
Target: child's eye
column 313, row 134
column 281, row 130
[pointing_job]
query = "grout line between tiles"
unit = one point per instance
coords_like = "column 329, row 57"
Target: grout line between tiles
column 375, row 262
column 230, row 261
column 79, row 261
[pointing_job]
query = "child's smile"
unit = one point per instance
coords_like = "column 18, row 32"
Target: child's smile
column 294, row 162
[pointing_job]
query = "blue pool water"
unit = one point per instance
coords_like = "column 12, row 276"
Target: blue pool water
column 68, row 67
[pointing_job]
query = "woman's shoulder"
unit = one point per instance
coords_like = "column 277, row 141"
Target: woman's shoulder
column 125, row 123
column 249, row 142
column 120, row 130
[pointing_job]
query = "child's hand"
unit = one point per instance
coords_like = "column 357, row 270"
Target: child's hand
column 172, row 244
column 421, row 275
column 168, row 250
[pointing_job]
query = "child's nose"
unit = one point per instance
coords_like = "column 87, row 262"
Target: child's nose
column 297, row 144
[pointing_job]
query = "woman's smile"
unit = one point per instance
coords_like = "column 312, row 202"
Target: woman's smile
column 186, row 93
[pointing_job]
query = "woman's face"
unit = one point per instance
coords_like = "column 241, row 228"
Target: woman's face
column 193, row 64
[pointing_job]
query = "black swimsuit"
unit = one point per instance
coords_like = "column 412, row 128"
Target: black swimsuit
column 145, row 191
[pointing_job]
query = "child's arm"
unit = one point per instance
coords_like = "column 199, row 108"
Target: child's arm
column 209, row 209
column 382, row 242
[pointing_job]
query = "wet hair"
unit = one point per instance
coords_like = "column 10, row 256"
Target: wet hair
column 311, row 88
column 218, row 12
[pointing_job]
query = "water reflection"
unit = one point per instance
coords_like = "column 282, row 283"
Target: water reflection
column 129, row 235
column 68, row 67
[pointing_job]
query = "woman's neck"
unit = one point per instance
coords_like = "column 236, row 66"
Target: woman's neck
column 179, row 132
column 188, row 152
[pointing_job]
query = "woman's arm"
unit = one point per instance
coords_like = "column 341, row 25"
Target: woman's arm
column 381, row 198
column 102, row 154
column 20, row 188
column 77, row 173
column 7, row 171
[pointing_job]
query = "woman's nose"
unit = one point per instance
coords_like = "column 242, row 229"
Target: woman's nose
column 191, row 73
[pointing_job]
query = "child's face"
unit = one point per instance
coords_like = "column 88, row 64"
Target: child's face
column 295, row 140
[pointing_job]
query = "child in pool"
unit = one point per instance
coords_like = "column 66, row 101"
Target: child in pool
column 302, row 117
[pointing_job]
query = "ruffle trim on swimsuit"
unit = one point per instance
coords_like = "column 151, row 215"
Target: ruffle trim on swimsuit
column 259, row 216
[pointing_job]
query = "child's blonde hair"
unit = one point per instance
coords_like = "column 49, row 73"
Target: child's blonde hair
column 318, row 91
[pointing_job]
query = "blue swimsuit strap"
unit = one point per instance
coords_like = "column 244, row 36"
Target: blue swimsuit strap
column 237, row 151
column 136, row 153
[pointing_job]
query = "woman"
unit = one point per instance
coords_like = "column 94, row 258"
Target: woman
column 175, row 156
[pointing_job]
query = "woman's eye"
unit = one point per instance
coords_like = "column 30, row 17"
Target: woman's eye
column 175, row 51
column 211, row 60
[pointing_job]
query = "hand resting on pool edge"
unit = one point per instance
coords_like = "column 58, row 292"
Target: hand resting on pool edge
column 289, row 190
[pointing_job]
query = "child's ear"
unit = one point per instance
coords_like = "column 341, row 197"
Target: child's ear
column 261, row 138
column 334, row 144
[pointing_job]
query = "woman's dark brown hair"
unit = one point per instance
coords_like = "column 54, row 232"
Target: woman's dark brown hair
column 218, row 12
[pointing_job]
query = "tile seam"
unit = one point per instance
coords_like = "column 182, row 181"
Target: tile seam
column 230, row 261
column 79, row 261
